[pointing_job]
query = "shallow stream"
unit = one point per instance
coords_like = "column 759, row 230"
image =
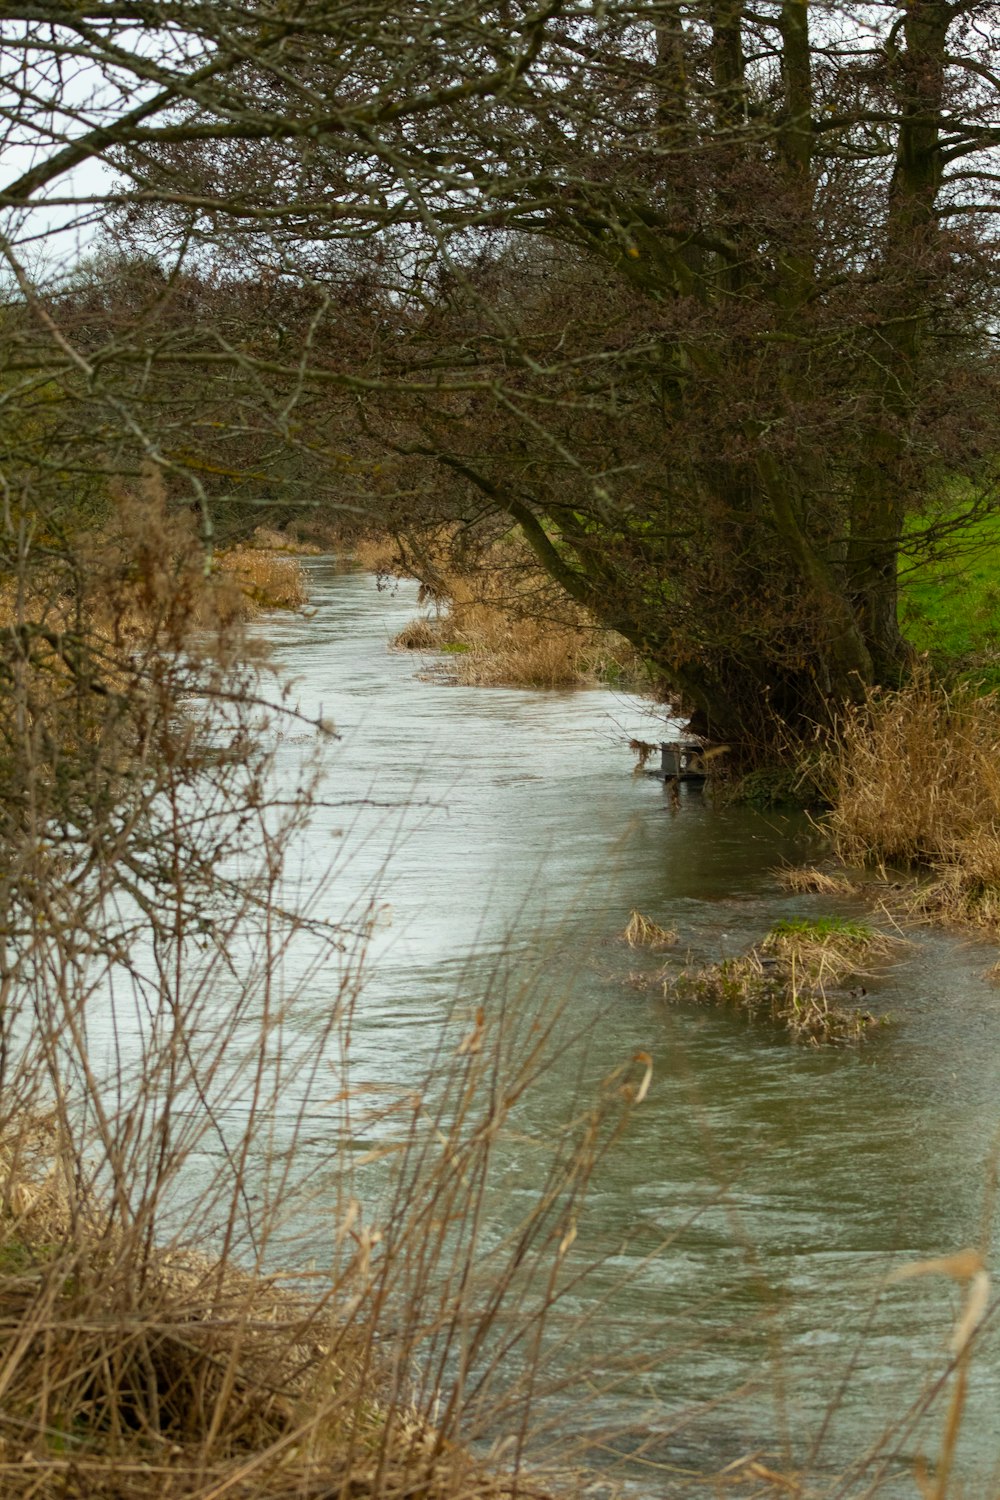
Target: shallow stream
column 503, row 828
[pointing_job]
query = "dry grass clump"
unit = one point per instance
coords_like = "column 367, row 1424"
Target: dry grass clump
column 643, row 932
column 138, row 577
column 131, row 1371
column 267, row 539
column 138, row 1372
column 96, row 639
column 377, row 552
column 265, row 578
column 419, row 634
column 915, row 780
column 492, row 648
column 797, row 977
column 134, row 1372
column 807, row 880
column 499, row 620
column 828, row 949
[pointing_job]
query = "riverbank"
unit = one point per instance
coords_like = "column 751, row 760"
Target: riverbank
column 912, row 783
column 133, row 1371
column 495, row 620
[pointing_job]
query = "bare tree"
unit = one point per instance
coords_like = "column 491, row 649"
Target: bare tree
column 702, row 298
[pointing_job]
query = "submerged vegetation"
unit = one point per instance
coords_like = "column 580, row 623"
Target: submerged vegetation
column 808, row 880
column 797, row 977
column 643, row 932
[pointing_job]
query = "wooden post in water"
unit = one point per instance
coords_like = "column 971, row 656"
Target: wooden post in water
column 676, row 760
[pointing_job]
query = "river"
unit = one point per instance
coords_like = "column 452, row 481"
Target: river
column 504, row 842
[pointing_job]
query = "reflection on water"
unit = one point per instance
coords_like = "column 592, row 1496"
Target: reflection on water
column 491, row 822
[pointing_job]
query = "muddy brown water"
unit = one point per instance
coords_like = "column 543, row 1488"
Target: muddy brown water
column 501, row 831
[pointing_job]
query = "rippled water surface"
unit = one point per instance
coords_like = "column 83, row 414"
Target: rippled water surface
column 506, row 822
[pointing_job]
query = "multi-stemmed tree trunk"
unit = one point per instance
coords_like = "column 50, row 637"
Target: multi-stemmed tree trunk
column 719, row 439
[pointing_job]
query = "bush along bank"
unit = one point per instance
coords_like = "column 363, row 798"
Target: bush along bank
column 495, row 620
column 913, row 782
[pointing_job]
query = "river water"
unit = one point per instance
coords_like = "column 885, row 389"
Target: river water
column 504, row 841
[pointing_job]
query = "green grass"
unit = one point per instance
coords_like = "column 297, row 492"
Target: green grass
column 17, row 1258
column 821, row 927
column 950, row 605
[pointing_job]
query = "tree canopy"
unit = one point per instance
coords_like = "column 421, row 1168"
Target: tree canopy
column 702, row 297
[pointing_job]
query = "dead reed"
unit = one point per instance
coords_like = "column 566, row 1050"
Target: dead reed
column 643, row 932
column 264, row 577
column 807, row 880
column 498, row 620
column 420, row 634
column 267, row 539
column 376, row 552
column 158, row 1337
column 798, row 977
column 914, row 780
column 142, row 1368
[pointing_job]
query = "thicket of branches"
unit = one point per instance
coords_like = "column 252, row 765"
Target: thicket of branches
column 703, row 299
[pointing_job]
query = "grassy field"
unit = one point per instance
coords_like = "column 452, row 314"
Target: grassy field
column 950, row 606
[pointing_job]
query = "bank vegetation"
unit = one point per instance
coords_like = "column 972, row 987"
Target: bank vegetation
column 701, row 302
column 494, row 618
column 913, row 782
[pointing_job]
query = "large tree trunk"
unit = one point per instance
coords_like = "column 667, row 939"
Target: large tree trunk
column 912, row 275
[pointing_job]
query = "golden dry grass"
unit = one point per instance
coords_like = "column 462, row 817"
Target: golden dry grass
column 376, row 553
column 807, row 880
column 267, row 539
column 265, row 578
column 499, row 622
column 914, row 780
column 131, row 1372
column 142, row 579
column 827, row 951
column 419, row 634
column 643, row 932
